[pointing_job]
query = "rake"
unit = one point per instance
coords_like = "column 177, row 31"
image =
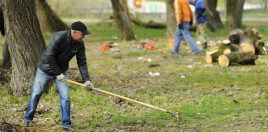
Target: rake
column 174, row 114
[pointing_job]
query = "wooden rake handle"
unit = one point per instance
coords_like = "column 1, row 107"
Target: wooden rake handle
column 125, row 98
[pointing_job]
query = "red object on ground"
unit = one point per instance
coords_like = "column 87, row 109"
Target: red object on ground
column 149, row 46
column 105, row 47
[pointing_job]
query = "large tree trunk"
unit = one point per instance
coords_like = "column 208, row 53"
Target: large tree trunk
column 25, row 43
column 124, row 27
column 48, row 19
column 214, row 20
column 171, row 21
column 6, row 63
column 124, row 4
column 149, row 24
column 234, row 9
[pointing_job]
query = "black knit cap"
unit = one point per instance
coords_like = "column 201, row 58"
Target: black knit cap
column 79, row 26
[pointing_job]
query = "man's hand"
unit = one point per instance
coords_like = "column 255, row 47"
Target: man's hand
column 89, row 85
column 61, row 77
column 191, row 23
column 180, row 26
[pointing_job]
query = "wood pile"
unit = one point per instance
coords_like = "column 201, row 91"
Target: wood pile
column 242, row 48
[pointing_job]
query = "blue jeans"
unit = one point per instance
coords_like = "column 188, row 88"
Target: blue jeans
column 41, row 80
column 187, row 36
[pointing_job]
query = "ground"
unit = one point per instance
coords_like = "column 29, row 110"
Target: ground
column 208, row 97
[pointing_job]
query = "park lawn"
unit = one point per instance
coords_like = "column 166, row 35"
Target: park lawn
column 207, row 98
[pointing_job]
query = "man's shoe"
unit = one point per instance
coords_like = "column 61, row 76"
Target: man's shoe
column 26, row 124
column 175, row 54
column 172, row 53
column 68, row 129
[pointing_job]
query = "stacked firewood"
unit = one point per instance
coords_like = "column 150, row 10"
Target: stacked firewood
column 242, row 48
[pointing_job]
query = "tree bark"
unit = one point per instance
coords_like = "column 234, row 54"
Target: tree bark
column 124, row 4
column 171, row 21
column 6, row 63
column 124, row 28
column 25, row 43
column 214, row 20
column 48, row 19
column 234, row 9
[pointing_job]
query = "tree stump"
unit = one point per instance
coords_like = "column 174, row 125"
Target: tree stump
column 237, row 58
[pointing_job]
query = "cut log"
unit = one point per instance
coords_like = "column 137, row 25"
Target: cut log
column 235, row 48
column 237, row 58
column 227, row 51
column 250, row 36
column 247, row 47
column 212, row 56
column 235, row 36
column 260, row 48
column 149, row 24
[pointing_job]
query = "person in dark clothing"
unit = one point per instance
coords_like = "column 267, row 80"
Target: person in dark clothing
column 53, row 65
column 201, row 21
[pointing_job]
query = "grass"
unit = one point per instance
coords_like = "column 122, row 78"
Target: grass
column 255, row 15
column 109, row 33
column 208, row 98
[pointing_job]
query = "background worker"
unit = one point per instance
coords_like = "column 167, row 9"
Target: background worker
column 201, row 21
column 184, row 17
column 53, row 65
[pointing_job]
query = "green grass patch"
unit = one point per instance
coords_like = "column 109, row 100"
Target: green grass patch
column 255, row 15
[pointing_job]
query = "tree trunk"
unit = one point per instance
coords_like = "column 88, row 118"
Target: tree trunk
column 6, row 56
column 237, row 58
column 6, row 63
column 25, row 43
column 124, row 27
column 124, row 4
column 214, row 20
column 234, row 9
column 48, row 19
column 149, row 24
column 171, row 21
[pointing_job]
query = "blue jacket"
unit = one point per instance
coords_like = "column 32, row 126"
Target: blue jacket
column 200, row 11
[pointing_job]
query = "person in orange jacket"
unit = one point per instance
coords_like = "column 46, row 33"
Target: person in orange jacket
column 184, row 18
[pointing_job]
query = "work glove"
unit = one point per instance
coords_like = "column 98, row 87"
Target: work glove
column 180, row 26
column 191, row 23
column 89, row 85
column 61, row 77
